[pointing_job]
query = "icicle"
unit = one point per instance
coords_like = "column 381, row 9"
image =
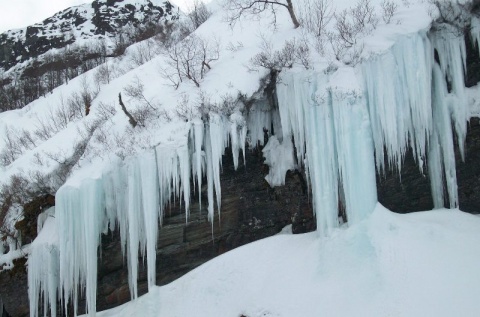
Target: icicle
column 354, row 145
column 209, row 160
column 198, row 129
column 243, row 141
column 150, row 204
column 238, row 133
column 475, row 32
column 184, row 164
column 135, row 224
column 339, row 142
column 452, row 53
column 442, row 155
column 235, row 143
column 217, row 147
column 259, row 119
column 43, row 266
column 397, row 86
column 80, row 215
column 323, row 167
column 293, row 119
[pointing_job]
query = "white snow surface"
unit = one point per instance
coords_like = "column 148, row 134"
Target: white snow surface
column 419, row 264
column 343, row 118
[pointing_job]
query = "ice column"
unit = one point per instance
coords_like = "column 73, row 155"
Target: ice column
column 398, row 94
column 43, row 267
column 332, row 120
column 80, row 215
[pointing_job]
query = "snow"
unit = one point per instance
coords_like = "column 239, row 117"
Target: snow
column 420, row 264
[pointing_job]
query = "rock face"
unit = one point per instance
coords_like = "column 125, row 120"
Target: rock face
column 250, row 210
column 96, row 20
column 410, row 190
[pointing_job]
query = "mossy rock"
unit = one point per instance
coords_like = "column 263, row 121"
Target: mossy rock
column 28, row 225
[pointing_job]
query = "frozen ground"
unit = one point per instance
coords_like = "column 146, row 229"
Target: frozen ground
column 414, row 265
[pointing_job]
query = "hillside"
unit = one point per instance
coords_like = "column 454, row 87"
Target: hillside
column 334, row 109
column 80, row 25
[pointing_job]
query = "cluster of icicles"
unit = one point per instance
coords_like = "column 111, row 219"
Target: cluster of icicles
column 342, row 133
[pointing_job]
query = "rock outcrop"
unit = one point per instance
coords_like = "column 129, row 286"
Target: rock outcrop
column 100, row 19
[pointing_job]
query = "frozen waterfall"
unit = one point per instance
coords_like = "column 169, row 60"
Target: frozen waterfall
column 345, row 125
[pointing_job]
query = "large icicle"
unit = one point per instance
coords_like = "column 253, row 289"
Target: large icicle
column 339, row 142
column 218, row 139
column 397, row 86
column 441, row 158
column 199, row 154
column 43, row 266
column 453, row 58
column 80, row 215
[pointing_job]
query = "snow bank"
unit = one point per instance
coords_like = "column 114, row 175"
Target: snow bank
column 420, row 264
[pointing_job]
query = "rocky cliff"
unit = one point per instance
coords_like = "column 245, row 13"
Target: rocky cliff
column 98, row 20
column 251, row 210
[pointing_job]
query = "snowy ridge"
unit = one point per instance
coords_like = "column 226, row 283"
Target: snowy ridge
column 80, row 25
column 419, row 264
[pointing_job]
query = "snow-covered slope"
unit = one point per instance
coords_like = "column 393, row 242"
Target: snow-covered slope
column 421, row 264
column 80, row 25
column 345, row 110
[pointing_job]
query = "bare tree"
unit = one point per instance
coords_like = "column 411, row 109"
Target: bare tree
column 131, row 119
column 315, row 15
column 292, row 52
column 389, row 8
column 238, row 8
column 199, row 13
column 189, row 59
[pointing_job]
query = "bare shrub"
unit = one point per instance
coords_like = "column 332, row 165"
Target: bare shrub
column 135, row 92
column 234, row 47
column 13, row 148
column 184, row 109
column 199, row 13
column 203, row 106
column 239, row 8
column 144, row 52
column 144, row 113
column 291, row 53
column 105, row 111
column 189, row 59
column 360, row 19
column 315, row 15
column 389, row 8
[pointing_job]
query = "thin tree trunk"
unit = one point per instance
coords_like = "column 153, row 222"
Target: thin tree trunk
column 292, row 14
column 131, row 119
